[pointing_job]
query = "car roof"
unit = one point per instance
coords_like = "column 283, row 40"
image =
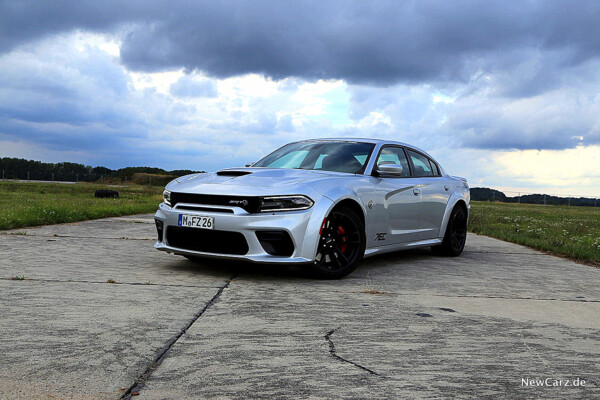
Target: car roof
column 365, row 140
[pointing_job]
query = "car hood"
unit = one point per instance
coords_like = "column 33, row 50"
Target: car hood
column 252, row 181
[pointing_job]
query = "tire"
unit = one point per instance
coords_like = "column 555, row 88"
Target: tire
column 106, row 194
column 455, row 236
column 341, row 246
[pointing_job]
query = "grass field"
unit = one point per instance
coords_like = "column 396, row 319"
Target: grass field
column 29, row 204
column 573, row 232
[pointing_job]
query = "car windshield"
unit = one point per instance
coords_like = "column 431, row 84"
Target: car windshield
column 349, row 157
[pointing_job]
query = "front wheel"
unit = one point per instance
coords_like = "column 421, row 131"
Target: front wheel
column 456, row 234
column 341, row 245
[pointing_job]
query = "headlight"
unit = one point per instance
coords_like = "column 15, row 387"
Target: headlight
column 285, row 203
column 167, row 197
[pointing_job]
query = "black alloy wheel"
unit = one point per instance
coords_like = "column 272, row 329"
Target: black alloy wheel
column 341, row 246
column 456, row 234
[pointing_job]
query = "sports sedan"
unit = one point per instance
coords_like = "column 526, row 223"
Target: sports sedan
column 326, row 203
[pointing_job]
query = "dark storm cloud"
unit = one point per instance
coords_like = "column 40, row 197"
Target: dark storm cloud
column 368, row 42
column 378, row 42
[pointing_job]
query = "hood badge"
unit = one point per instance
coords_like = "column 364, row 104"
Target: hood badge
column 242, row 203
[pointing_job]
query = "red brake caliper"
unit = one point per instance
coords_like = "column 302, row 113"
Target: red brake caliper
column 342, row 232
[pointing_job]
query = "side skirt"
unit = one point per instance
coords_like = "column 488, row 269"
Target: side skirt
column 401, row 246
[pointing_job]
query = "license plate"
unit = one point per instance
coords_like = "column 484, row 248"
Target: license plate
column 196, row 221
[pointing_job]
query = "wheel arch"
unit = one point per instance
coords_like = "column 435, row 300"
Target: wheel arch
column 352, row 204
column 456, row 200
column 348, row 262
column 347, row 200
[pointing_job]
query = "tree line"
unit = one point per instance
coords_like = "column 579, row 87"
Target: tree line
column 19, row 168
column 487, row 194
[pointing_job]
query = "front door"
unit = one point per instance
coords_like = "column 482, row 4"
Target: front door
column 397, row 202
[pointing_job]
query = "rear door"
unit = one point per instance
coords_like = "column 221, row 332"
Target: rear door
column 435, row 193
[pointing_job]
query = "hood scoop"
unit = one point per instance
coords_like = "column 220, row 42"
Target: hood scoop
column 227, row 172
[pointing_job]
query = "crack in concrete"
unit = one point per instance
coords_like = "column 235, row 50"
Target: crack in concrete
column 514, row 298
column 139, row 383
column 335, row 291
column 482, row 297
column 333, row 354
column 110, row 283
column 72, row 237
column 532, row 253
column 521, row 298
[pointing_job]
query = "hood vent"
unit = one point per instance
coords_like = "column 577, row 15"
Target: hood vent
column 233, row 173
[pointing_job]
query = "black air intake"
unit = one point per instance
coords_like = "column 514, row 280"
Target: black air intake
column 276, row 243
column 233, row 173
column 207, row 240
column 159, row 229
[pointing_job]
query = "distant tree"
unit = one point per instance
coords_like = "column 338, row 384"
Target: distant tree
column 182, row 172
column 487, row 194
column 102, row 171
column 129, row 171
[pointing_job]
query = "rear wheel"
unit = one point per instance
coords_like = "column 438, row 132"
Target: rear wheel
column 456, row 234
column 341, row 246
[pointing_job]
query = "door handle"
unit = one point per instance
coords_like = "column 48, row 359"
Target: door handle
column 416, row 192
column 446, row 187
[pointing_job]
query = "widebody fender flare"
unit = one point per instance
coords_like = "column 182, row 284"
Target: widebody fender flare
column 339, row 195
column 454, row 199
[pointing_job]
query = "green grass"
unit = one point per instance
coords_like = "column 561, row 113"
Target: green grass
column 32, row 204
column 573, row 232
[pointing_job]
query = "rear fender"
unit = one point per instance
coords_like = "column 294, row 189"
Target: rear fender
column 455, row 198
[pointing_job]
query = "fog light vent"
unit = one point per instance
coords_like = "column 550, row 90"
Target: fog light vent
column 276, row 243
column 159, row 229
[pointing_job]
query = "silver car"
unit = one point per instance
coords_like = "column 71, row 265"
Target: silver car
column 326, row 203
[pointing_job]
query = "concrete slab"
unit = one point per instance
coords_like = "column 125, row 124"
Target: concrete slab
column 118, row 249
column 106, row 228
column 404, row 325
column 84, row 340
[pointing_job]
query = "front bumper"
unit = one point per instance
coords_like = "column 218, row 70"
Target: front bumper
column 302, row 226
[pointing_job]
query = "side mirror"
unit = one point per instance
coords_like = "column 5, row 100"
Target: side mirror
column 390, row 170
column 250, row 164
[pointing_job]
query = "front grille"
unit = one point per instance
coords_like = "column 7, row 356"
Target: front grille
column 206, row 240
column 207, row 209
column 276, row 243
column 250, row 204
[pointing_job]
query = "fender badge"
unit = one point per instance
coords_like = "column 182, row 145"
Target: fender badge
column 370, row 204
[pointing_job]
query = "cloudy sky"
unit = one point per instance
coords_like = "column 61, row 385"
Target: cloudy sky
column 505, row 93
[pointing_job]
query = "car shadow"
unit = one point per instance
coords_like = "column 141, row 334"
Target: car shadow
column 230, row 268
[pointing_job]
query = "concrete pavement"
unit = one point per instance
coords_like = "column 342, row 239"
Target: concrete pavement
column 404, row 325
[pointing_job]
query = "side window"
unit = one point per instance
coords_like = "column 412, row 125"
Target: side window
column 394, row 155
column 421, row 164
